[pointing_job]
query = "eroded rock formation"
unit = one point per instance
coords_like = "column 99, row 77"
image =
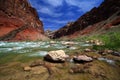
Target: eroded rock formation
column 19, row 21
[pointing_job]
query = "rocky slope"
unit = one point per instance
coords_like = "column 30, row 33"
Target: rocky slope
column 49, row 33
column 92, row 20
column 19, row 21
column 113, row 22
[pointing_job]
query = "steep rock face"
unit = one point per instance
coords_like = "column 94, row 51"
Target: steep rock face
column 100, row 27
column 19, row 21
column 103, row 12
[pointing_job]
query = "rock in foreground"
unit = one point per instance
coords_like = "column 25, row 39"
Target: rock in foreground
column 27, row 68
column 56, row 56
column 82, row 59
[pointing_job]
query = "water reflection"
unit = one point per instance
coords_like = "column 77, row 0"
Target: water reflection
column 40, row 53
column 107, row 60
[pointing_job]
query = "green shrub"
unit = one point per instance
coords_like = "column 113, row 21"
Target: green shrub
column 111, row 41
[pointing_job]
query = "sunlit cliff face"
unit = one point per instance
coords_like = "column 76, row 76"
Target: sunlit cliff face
column 19, row 21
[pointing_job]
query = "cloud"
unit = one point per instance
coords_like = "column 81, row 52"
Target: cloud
column 84, row 5
column 70, row 14
column 54, row 24
column 49, row 11
column 46, row 9
column 54, row 3
column 55, row 21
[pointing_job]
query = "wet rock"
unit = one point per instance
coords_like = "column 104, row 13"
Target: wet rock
column 95, row 42
column 87, row 41
column 68, row 43
column 77, row 69
column 56, row 56
column 71, row 71
column 52, row 42
column 107, row 51
column 97, row 75
column 27, row 77
column 27, row 68
column 73, row 48
column 82, row 59
column 102, row 52
column 116, row 53
column 91, row 41
column 80, row 68
column 95, row 57
column 87, row 50
column 98, row 42
column 103, row 75
column 86, row 66
column 37, row 63
column 38, row 70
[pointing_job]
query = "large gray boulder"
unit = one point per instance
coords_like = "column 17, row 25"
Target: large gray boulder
column 56, row 56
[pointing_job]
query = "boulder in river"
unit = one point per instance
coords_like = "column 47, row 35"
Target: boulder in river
column 68, row 43
column 52, row 42
column 56, row 56
column 115, row 53
column 87, row 50
column 82, row 59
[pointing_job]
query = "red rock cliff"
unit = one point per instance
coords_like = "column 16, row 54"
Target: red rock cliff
column 103, row 12
column 19, row 21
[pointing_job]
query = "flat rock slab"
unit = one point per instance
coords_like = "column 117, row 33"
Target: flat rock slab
column 82, row 59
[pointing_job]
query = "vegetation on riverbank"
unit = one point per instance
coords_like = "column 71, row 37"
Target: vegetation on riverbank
column 110, row 38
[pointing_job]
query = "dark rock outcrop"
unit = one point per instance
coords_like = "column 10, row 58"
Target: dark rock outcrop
column 49, row 33
column 19, row 21
column 103, row 12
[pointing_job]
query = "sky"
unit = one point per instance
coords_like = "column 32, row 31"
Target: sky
column 56, row 13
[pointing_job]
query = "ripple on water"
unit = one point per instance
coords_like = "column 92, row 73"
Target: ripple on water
column 40, row 53
column 73, row 48
column 2, row 50
column 25, row 47
column 85, row 45
column 107, row 60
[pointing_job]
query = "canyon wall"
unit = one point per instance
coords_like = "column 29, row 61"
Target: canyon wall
column 19, row 21
column 107, row 9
